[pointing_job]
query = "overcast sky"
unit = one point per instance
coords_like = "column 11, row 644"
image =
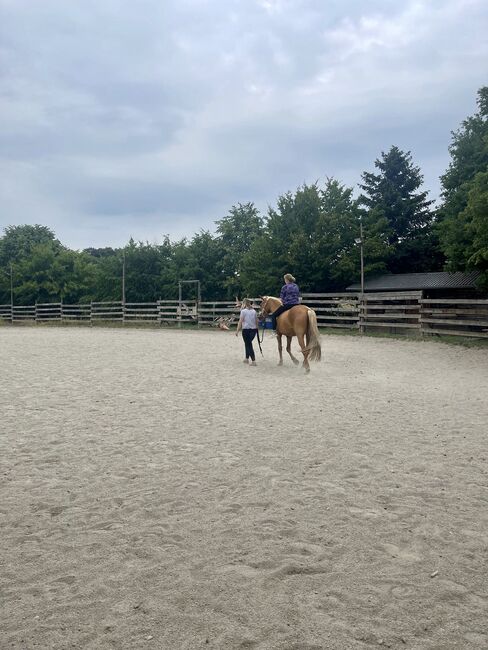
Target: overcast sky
column 143, row 118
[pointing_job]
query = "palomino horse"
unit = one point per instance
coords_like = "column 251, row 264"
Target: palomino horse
column 299, row 321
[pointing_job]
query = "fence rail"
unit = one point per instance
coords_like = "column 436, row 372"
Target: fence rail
column 402, row 312
column 455, row 317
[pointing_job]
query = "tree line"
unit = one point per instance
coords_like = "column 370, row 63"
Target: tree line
column 311, row 232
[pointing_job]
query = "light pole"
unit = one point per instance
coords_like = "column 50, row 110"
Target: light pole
column 12, row 287
column 360, row 242
column 123, row 278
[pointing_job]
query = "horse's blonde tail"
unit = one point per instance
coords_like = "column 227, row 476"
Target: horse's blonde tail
column 313, row 336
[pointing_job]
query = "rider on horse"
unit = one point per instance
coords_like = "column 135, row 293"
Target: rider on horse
column 290, row 296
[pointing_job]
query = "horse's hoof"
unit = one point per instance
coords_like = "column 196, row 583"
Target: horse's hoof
column 280, row 363
column 307, row 370
column 297, row 363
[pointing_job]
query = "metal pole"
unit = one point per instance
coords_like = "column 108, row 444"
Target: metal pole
column 123, row 278
column 123, row 287
column 11, row 292
column 360, row 241
column 362, row 258
column 363, row 310
column 179, row 303
column 198, row 303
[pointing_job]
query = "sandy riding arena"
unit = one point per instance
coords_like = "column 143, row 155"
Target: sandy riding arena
column 158, row 493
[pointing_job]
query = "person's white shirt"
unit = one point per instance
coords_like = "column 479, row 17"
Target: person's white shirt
column 249, row 319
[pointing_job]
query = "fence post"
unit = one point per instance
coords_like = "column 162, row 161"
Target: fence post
column 35, row 312
column 179, row 304
column 199, row 302
column 91, row 313
column 421, row 314
column 362, row 313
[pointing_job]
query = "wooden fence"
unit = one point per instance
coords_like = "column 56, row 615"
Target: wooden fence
column 460, row 317
column 398, row 312
column 405, row 312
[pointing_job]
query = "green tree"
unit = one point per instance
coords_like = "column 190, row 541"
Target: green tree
column 203, row 262
column 258, row 264
column 476, row 216
column 285, row 245
column 17, row 242
column 311, row 234
column 398, row 215
column 466, row 234
column 51, row 274
column 236, row 233
column 334, row 257
column 460, row 185
column 145, row 266
column 107, row 284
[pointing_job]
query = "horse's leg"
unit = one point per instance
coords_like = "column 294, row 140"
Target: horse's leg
column 301, row 341
column 280, row 348
column 288, row 349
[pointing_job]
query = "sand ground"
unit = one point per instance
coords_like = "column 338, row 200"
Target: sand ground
column 157, row 493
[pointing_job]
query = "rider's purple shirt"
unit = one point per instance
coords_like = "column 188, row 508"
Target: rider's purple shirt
column 290, row 294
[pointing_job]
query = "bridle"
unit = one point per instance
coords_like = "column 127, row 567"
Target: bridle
column 264, row 308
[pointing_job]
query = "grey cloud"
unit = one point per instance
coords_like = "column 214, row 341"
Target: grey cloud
column 163, row 114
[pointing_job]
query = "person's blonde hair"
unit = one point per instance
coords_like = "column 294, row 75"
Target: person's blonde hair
column 247, row 302
column 289, row 277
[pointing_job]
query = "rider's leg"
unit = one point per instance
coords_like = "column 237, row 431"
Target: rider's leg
column 276, row 313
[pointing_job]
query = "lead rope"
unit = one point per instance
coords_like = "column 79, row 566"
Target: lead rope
column 259, row 342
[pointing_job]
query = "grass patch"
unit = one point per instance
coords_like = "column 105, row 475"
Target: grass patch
column 464, row 341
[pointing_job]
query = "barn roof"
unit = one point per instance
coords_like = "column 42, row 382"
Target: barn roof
column 418, row 281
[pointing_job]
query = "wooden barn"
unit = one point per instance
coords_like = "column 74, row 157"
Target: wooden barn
column 423, row 303
column 438, row 284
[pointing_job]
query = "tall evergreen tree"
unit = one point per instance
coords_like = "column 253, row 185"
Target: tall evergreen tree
column 398, row 215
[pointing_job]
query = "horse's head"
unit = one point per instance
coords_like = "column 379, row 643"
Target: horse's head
column 265, row 307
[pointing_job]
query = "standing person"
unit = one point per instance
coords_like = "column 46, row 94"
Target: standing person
column 248, row 323
column 289, row 295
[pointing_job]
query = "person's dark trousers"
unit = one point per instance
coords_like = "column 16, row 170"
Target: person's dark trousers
column 280, row 310
column 248, row 336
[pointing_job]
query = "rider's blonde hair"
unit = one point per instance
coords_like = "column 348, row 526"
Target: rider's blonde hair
column 289, row 277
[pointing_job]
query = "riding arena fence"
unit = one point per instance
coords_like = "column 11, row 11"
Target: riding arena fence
column 407, row 312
